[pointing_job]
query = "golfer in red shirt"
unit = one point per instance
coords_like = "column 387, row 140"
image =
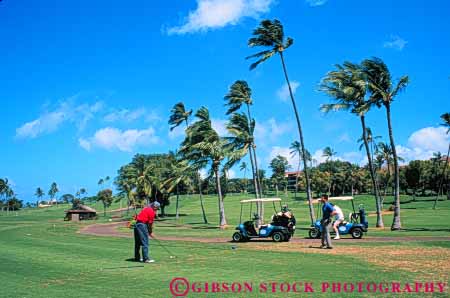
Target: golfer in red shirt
column 142, row 230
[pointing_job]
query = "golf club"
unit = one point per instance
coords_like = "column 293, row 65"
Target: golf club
column 171, row 255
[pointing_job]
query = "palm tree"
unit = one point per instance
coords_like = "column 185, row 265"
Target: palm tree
column 241, row 142
column 371, row 139
column 204, row 147
column 297, row 150
column 328, row 153
column 347, row 87
column 383, row 91
column 270, row 34
column 240, row 93
column 446, row 118
column 100, row 182
column 4, row 191
column 180, row 173
column 244, row 167
column 385, row 151
column 39, row 194
column 53, row 191
column 177, row 117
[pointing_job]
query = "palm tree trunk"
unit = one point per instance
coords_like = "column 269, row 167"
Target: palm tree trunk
column 205, row 220
column 302, row 144
column 442, row 178
column 252, row 147
column 258, row 179
column 176, row 205
column 380, row 223
column 255, row 182
column 396, row 222
column 222, row 219
column 296, row 177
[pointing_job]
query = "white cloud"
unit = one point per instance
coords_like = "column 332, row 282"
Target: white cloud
column 231, row 174
column 430, row 138
column 396, row 42
column 115, row 139
column 85, row 144
column 270, row 130
column 177, row 133
column 316, row 2
column 423, row 143
column 125, row 115
column 51, row 121
column 344, row 138
column 46, row 123
column 283, row 92
column 318, row 157
column 285, row 152
column 214, row 14
column 219, row 125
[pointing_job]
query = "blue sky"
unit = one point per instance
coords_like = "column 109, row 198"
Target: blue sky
column 87, row 84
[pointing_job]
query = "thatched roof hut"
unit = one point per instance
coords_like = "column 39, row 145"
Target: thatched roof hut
column 80, row 212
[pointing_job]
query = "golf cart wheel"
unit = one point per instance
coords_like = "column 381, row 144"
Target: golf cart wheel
column 314, row 233
column 357, row 233
column 277, row 237
column 237, row 237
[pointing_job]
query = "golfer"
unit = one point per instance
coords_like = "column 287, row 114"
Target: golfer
column 327, row 212
column 143, row 229
column 339, row 218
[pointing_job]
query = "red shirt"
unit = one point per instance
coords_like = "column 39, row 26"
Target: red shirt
column 147, row 215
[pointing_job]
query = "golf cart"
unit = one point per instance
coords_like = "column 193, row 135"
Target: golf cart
column 356, row 227
column 281, row 227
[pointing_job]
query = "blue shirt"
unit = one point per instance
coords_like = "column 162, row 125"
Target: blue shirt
column 327, row 208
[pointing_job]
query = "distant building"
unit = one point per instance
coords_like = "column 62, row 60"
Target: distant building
column 80, row 212
column 291, row 178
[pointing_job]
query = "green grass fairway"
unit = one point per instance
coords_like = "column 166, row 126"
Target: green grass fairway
column 43, row 256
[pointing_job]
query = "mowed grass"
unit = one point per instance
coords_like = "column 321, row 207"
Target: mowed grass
column 43, row 256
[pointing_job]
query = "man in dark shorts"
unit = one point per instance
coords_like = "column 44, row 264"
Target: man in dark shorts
column 143, row 229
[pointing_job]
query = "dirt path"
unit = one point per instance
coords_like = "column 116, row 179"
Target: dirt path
column 111, row 230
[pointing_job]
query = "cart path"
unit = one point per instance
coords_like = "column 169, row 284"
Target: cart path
column 111, row 230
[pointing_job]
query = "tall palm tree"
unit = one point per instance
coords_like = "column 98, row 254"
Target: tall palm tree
column 446, row 123
column 244, row 167
column 270, row 34
column 240, row 93
column 328, row 153
column 203, row 146
column 178, row 116
column 39, row 194
column 383, row 91
column 347, row 87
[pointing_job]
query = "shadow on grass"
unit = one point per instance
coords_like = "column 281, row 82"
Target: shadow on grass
column 424, row 230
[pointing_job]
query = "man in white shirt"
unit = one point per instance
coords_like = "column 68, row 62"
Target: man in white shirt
column 339, row 218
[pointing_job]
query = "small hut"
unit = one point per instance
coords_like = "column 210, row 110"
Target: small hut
column 80, row 212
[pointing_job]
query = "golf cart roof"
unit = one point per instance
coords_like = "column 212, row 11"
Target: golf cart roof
column 261, row 200
column 335, row 199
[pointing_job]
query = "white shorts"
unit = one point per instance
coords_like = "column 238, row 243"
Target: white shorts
column 338, row 221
